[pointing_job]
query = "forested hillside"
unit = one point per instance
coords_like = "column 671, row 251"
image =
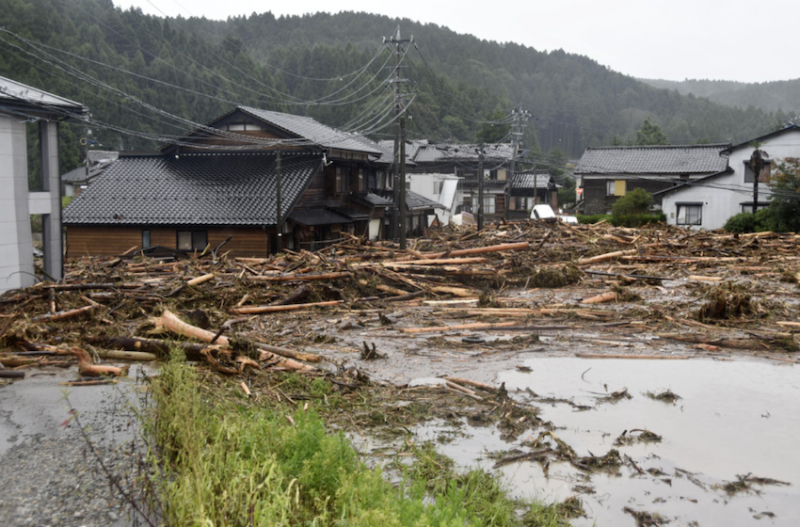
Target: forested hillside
column 767, row 96
column 147, row 79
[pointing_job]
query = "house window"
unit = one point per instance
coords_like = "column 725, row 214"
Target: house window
column 748, row 172
column 689, row 214
column 467, row 206
column 339, row 183
column 748, row 207
column 489, row 205
column 192, row 240
column 615, row 187
column 145, row 239
column 362, row 181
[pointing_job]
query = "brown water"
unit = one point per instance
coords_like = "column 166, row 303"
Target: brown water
column 733, row 418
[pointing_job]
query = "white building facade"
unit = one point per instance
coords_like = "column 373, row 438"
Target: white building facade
column 707, row 203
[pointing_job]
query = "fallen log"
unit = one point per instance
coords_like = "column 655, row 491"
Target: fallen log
column 200, row 279
column 88, row 369
column 605, row 257
column 742, row 344
column 12, row 374
column 439, row 329
column 61, row 315
column 169, row 321
column 301, row 277
column 618, row 356
column 601, row 299
column 126, row 355
column 481, row 250
column 253, row 310
column 476, row 384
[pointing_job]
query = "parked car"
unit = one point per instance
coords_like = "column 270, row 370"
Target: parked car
column 546, row 212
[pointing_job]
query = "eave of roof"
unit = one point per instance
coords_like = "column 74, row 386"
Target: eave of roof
column 16, row 96
column 693, row 182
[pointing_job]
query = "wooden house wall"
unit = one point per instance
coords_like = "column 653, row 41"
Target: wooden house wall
column 597, row 202
column 83, row 240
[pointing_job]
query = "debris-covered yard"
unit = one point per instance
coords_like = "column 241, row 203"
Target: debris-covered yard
column 567, row 359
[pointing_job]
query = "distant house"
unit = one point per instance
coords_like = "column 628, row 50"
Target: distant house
column 76, row 180
column 19, row 105
column 439, row 188
column 529, row 188
column 222, row 181
column 462, row 161
column 608, row 173
column 708, row 202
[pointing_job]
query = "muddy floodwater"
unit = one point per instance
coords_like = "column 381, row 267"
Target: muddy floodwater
column 734, row 418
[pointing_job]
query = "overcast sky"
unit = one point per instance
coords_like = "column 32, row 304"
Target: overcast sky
column 662, row 39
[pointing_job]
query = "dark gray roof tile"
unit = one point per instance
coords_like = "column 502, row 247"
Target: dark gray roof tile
column 193, row 189
column 654, row 160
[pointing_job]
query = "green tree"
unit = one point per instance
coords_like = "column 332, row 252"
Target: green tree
column 784, row 207
column 650, row 134
column 634, row 203
column 495, row 129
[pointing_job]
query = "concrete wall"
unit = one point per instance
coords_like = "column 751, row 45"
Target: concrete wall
column 16, row 205
column 16, row 244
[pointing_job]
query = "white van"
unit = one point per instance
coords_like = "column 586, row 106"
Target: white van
column 545, row 212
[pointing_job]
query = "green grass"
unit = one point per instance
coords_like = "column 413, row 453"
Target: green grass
column 226, row 463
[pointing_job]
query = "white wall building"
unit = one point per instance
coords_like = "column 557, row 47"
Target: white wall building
column 708, row 202
column 20, row 105
column 441, row 188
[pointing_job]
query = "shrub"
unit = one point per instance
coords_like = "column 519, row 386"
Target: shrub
column 635, row 202
column 593, row 218
column 762, row 220
column 637, row 220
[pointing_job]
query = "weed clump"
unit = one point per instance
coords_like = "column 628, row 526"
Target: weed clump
column 554, row 277
column 726, row 302
column 666, row 396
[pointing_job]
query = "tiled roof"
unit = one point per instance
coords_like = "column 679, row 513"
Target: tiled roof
column 416, row 201
column 530, row 180
column 193, row 189
column 20, row 96
column 469, row 152
column 667, row 160
column 312, row 130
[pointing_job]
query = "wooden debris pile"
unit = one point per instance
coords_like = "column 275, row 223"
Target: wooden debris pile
column 144, row 303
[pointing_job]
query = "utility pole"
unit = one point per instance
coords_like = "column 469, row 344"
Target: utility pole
column 397, row 183
column 278, row 200
column 402, row 182
column 756, row 165
column 520, row 117
column 480, row 187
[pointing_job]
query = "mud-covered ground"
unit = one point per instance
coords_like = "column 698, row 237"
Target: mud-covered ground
column 564, row 347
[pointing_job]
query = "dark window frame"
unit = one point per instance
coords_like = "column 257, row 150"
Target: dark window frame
column 147, row 240
column 698, row 220
column 198, row 237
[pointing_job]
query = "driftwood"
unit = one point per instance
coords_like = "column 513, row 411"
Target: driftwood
column 87, row 369
column 617, row 356
column 476, row 326
column 171, row 322
column 601, row 299
column 61, row 315
column 476, row 384
column 200, row 279
column 481, row 250
column 255, row 310
column 12, row 374
column 605, row 257
column 300, row 277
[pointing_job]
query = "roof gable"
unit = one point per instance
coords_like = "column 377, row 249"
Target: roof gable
column 193, row 189
column 749, row 144
column 654, row 160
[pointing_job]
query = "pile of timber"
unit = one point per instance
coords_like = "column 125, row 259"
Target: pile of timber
column 107, row 303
